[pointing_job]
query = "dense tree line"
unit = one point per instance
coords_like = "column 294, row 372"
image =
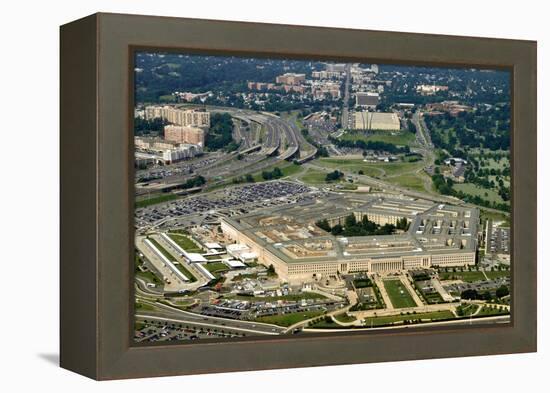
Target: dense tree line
column 143, row 126
column 370, row 145
column 161, row 74
column 334, row 175
column 219, row 135
column 364, row 227
column 194, row 182
column 276, row 173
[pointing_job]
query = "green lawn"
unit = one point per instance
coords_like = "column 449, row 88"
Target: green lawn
column 464, row 276
column 410, row 181
column 425, row 317
column 345, row 318
column 143, row 307
column 475, row 190
column 484, row 214
column 397, row 138
column 288, row 169
column 181, row 268
column 184, row 242
column 162, row 249
column 399, row 295
column 473, row 275
column 186, row 272
column 289, row 319
column 465, row 310
column 313, row 176
column 492, row 310
column 149, row 277
column 375, row 169
column 216, row 267
column 154, row 200
column 432, row 298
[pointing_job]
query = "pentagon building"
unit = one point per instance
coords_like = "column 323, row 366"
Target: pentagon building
column 287, row 237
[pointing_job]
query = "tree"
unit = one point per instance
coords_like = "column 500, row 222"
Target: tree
column 502, row 291
column 469, row 294
column 337, row 230
column 323, row 224
column 350, row 221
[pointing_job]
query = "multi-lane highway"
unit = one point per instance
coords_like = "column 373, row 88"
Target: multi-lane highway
column 165, row 313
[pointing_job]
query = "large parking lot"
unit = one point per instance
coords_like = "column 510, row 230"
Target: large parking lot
column 249, row 196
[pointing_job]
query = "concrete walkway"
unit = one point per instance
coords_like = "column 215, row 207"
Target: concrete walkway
column 406, row 283
column 380, row 284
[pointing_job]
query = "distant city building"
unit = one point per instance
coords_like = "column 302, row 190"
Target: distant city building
column 377, row 121
column 153, row 150
column 291, row 79
column 183, row 134
column 458, row 168
column 294, row 89
column 454, row 108
column 182, row 152
column 262, row 86
column 181, row 117
column 327, row 74
column 320, row 90
column 430, row 89
column 187, row 96
column 367, row 99
column 339, row 67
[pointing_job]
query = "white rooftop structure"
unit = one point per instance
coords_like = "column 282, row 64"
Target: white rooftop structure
column 213, row 246
column 237, row 247
column 194, row 257
column 232, row 263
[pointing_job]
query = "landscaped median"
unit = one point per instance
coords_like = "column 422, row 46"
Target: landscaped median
column 184, row 242
column 287, row 320
column 169, row 256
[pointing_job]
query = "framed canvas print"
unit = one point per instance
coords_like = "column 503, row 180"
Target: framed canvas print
column 240, row 196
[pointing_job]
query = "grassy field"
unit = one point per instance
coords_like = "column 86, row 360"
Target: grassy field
column 181, row 268
column 370, row 168
column 345, row 318
column 410, row 181
column 472, row 189
column 162, row 249
column 149, row 277
column 288, row 169
column 289, row 319
column 184, row 242
column 216, row 267
column 313, row 176
column 465, row 310
column 397, row 138
column 143, row 307
column 387, row 320
column 484, row 214
column 186, row 272
column 399, row 295
column 432, row 298
column 155, row 200
column 490, row 310
column 472, row 276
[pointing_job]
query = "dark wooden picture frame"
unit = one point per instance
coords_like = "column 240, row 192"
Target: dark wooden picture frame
column 97, row 195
